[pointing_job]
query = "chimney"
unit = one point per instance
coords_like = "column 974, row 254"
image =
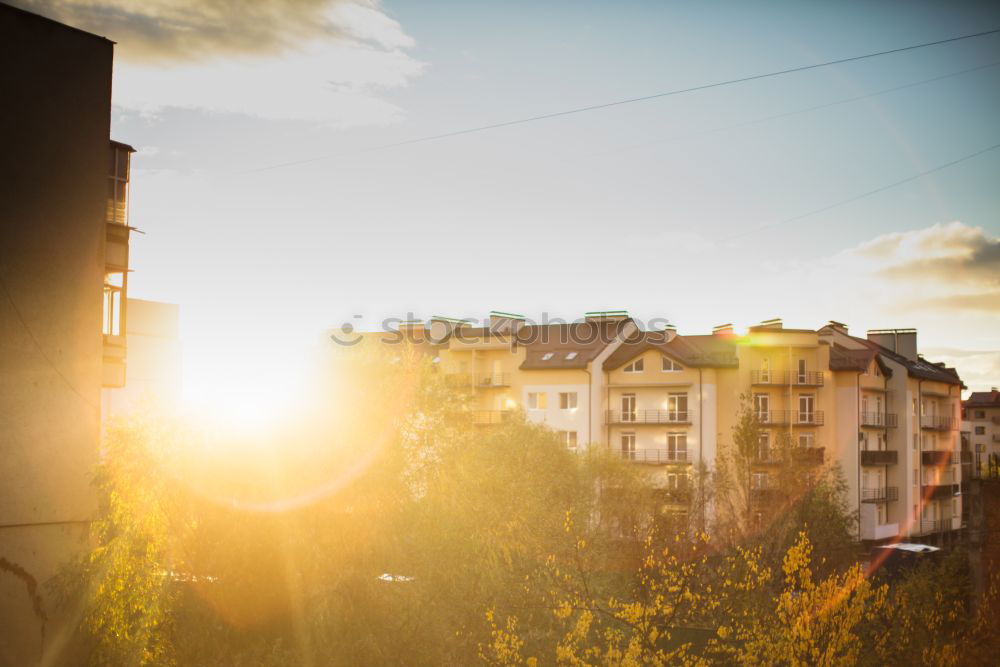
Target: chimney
column 413, row 330
column 723, row 330
column 839, row 326
column 771, row 324
column 442, row 327
column 901, row 341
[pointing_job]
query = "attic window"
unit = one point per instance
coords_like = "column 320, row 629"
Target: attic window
column 570, row 356
column 546, row 356
column 635, row 367
column 671, row 366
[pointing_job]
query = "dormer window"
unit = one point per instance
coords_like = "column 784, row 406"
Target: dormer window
column 546, row 356
column 570, row 356
column 635, row 367
column 671, row 366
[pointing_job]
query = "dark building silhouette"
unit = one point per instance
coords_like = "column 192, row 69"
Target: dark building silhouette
column 63, row 275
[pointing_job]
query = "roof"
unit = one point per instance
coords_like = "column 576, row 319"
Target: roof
column 921, row 368
column 587, row 339
column 983, row 399
column 118, row 144
column 846, row 359
column 706, row 350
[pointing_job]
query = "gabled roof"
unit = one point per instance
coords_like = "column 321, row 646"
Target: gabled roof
column 846, row 359
column 704, row 351
column 921, row 368
column 983, row 399
column 587, row 339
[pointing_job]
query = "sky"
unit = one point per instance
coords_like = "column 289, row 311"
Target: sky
column 272, row 208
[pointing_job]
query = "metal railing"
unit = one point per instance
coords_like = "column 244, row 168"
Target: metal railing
column 779, row 417
column 492, row 379
column 656, row 455
column 487, row 417
column 878, row 457
column 880, row 495
column 649, row 417
column 940, row 491
column 939, row 457
column 878, row 419
column 799, row 378
column 936, row 423
column 935, row 525
column 776, row 456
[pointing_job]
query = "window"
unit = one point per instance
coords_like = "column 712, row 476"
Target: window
column 876, row 369
column 761, row 403
column 914, row 477
column 914, row 407
column 764, row 445
column 806, row 403
column 570, row 356
column 954, row 507
column 114, row 284
column 569, row 438
column 759, row 480
column 628, row 407
column 118, row 177
column 677, row 407
column 546, row 356
column 980, row 414
column 881, row 441
column 628, row 446
column 980, row 430
column 671, row 366
column 567, row 400
column 803, row 374
column 537, row 401
column 765, row 370
column 676, row 446
column 807, row 439
column 675, row 481
column 635, row 367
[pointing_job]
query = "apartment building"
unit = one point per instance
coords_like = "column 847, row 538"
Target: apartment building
column 64, row 235
column 982, row 411
column 871, row 406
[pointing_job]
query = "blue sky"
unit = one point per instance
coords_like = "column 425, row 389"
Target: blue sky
column 653, row 206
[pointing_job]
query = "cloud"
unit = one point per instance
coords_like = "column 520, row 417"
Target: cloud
column 323, row 61
column 987, row 302
column 954, row 253
column 979, row 369
column 190, row 30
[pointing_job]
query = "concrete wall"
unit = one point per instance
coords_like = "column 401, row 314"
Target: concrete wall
column 55, row 120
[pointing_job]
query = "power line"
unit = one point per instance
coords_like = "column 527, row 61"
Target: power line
column 41, row 350
column 786, row 114
column 863, row 195
column 632, row 100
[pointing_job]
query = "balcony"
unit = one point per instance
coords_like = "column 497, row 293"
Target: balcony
column 656, row 456
column 939, row 457
column 800, row 455
column 878, row 419
column 880, row 495
column 935, row 525
column 785, row 417
column 490, row 417
column 934, row 423
column 807, row 378
column 784, row 378
column 458, row 379
column 940, row 491
column 649, row 417
column 876, row 531
column 486, row 380
column 878, row 457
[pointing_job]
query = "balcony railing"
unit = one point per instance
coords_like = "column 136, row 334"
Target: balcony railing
column 939, row 457
column 800, row 378
column 880, row 495
column 935, row 525
column 799, row 417
column 488, row 417
column 649, row 417
column 775, row 456
column 658, row 456
column 935, row 423
column 878, row 457
column 878, row 419
column 492, row 379
column 940, row 491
